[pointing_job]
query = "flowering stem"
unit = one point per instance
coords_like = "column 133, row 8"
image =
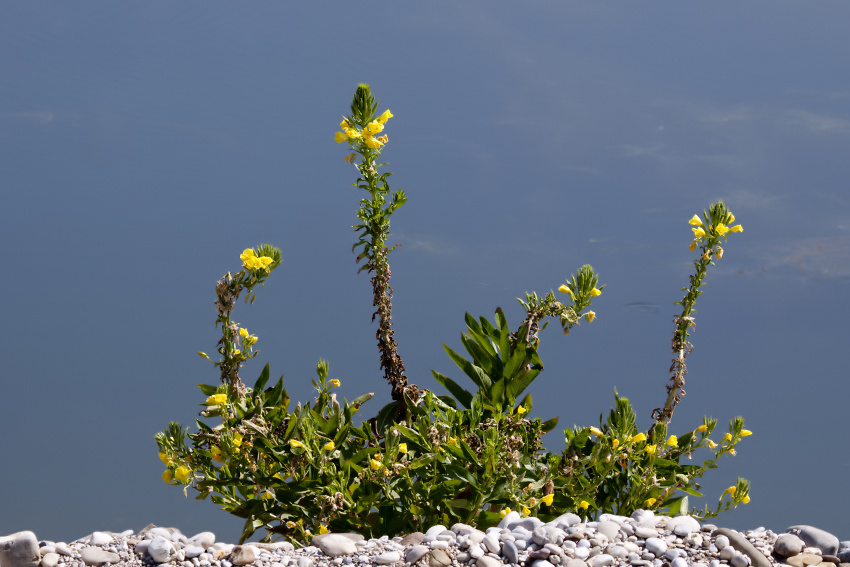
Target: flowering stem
column 708, row 232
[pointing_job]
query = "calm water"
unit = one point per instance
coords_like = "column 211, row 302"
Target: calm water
column 144, row 145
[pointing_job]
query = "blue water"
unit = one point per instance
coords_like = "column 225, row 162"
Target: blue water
column 144, row 145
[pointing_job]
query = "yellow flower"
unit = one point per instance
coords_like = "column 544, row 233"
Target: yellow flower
column 702, row 427
column 375, row 127
column 698, row 232
column 164, row 458
column 583, row 504
column 718, row 253
column 650, row 449
column 673, row 441
column 340, row 137
column 402, row 448
column 335, row 383
column 373, row 143
column 547, row 500
column 525, row 511
column 640, row 437
column 736, row 228
column 693, row 246
column 352, row 133
column 246, row 254
column 731, row 491
column 727, row 437
column 590, row 316
column 376, row 465
column 732, row 452
column 344, row 124
column 565, row 289
column 167, row 476
column 594, row 292
column 722, row 229
column 452, row 441
column 731, row 218
column 237, row 352
column 237, row 439
column 386, row 116
column 695, row 220
column 323, row 529
column 521, row 410
column 349, row 159
column 243, row 333
column 615, row 443
column 291, row 525
column 295, row 443
column 217, row 399
column 504, row 512
column 595, row 431
column 182, row 473
column 329, row 446
column 746, row 499
column 650, row 501
column 746, row 432
column 216, row 454
column 711, row 444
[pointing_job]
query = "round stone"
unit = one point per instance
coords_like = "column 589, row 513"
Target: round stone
column 656, row 546
column 788, row 545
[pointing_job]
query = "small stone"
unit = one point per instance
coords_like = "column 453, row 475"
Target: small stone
column 727, row 553
column 415, row 553
column 19, row 550
column 788, row 545
column 844, row 555
column 487, row 561
column 830, row 559
column 100, row 538
column 98, row 556
column 814, row 537
column 608, row 528
column 335, row 545
column 679, row 562
column 439, row 558
column 510, row 552
column 242, row 555
column 412, row 539
column 804, row 560
column 720, row 542
column 656, row 546
column 203, row 539
column 575, row 563
column 601, row 560
column 50, row 560
column 739, row 560
column 63, row 549
column 683, row 525
column 491, row 543
column 305, row 562
column 161, row 549
column 476, row 551
column 193, row 551
column 644, row 532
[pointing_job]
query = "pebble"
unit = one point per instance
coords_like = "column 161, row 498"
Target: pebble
column 642, row 540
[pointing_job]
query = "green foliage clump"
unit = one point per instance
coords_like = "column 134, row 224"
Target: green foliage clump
column 466, row 456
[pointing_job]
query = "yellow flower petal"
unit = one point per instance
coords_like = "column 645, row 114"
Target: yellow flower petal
column 340, row 137
column 698, row 232
column 595, row 431
column 323, row 529
column 673, row 441
column 565, row 289
column 167, row 476
column 594, row 292
column 182, row 473
column 702, row 427
column 521, row 410
column 731, row 491
column 650, row 449
column 295, row 443
column 504, row 512
column 746, row 499
column 746, row 432
column 385, row 116
column 584, row 504
column 329, row 446
column 237, row 439
column 695, row 220
column 722, row 229
column 727, row 437
column 736, row 228
column 548, row 499
column 402, row 448
column 649, row 502
column 335, row 383
column 638, row 438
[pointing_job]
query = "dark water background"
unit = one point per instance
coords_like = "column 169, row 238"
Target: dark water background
column 144, row 144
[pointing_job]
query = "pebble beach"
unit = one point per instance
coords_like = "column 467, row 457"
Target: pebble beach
column 642, row 540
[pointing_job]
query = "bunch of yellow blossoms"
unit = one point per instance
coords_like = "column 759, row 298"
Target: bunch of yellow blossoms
column 252, row 262
column 350, row 132
column 721, row 230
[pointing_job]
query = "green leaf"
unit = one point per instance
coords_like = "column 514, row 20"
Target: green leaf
column 549, row 425
column 261, row 381
column 207, row 389
column 475, row 373
column 461, row 395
